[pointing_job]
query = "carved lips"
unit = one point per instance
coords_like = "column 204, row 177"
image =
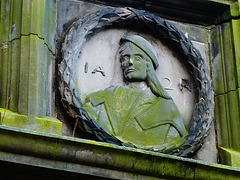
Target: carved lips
column 129, row 70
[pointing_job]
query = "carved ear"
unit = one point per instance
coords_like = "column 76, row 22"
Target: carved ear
column 149, row 65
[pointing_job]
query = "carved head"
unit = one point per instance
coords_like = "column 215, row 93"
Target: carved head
column 139, row 61
column 137, row 55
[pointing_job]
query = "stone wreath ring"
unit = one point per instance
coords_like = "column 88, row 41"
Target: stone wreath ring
column 130, row 115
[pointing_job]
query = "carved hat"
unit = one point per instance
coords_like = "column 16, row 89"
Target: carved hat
column 144, row 45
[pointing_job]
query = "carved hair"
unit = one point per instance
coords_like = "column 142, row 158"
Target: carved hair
column 153, row 82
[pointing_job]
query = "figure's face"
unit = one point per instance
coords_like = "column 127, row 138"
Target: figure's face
column 134, row 63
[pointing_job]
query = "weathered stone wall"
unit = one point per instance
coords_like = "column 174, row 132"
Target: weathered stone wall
column 29, row 30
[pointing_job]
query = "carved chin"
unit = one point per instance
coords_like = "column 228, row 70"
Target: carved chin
column 132, row 78
column 128, row 78
column 130, row 75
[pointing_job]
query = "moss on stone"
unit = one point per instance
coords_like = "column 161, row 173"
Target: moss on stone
column 45, row 124
column 68, row 154
column 229, row 156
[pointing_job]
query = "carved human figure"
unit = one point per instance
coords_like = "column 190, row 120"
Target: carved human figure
column 139, row 113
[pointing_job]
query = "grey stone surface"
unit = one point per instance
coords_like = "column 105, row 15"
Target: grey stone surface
column 71, row 10
column 208, row 152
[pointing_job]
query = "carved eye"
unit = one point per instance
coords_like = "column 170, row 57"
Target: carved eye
column 125, row 58
column 138, row 57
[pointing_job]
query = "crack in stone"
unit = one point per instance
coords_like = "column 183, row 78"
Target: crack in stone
column 221, row 94
column 4, row 43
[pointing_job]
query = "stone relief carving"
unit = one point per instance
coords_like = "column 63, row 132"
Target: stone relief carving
column 140, row 113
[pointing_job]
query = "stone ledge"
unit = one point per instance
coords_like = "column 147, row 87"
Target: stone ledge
column 45, row 125
column 101, row 159
column 229, row 156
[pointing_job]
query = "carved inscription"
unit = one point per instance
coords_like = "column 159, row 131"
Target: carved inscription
column 86, row 67
column 98, row 69
column 185, row 83
column 169, row 87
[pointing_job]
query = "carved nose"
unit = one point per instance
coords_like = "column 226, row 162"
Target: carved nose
column 130, row 62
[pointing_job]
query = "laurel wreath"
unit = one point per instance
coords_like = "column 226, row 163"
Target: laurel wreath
column 128, row 18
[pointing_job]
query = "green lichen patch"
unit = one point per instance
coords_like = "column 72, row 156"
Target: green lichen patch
column 49, row 125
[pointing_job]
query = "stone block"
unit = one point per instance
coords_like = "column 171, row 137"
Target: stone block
column 217, row 62
column 221, row 117
column 14, row 71
column 72, row 10
column 228, row 57
column 49, row 92
column 227, row 117
column 32, row 76
column 33, row 17
column 5, row 55
column 24, row 75
column 5, row 8
column 50, row 25
column 236, row 44
column 234, row 119
column 229, row 157
column 16, row 23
